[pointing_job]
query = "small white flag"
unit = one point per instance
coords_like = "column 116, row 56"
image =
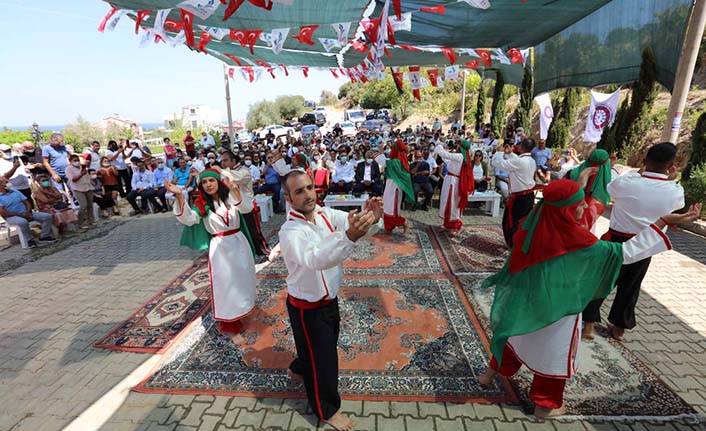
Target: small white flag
column 451, row 73
column 415, row 80
column 113, row 21
column 277, row 38
column 342, row 29
column 159, row 19
column 601, row 114
column 471, row 52
column 380, row 75
column 328, row 43
column 200, row 8
column 216, row 32
column 424, row 82
column 439, row 82
column 403, row 24
column 499, row 55
column 147, row 35
column 480, row 4
column 177, row 40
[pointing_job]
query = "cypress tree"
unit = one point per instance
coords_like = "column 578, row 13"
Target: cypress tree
column 480, row 107
column 637, row 118
column 559, row 132
column 497, row 118
column 524, row 110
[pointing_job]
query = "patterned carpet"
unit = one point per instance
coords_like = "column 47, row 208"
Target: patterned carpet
column 611, row 380
column 162, row 317
column 475, row 248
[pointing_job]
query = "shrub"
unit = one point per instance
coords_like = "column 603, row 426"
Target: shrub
column 695, row 187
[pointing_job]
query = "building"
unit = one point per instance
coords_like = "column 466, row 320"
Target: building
column 193, row 117
column 114, row 121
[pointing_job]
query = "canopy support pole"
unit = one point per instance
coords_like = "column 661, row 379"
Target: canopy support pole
column 685, row 71
column 230, row 114
column 463, row 99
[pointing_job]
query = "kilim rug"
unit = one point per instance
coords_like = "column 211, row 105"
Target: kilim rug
column 163, row 316
column 407, row 339
column 385, row 254
column 154, row 325
column 475, row 248
column 611, row 382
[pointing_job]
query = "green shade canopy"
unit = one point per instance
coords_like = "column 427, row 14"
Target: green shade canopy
column 577, row 42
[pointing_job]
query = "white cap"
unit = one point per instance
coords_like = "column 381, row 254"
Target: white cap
column 5, row 147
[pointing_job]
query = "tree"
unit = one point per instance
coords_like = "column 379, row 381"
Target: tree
column 327, row 98
column 524, row 110
column 480, row 106
column 644, row 93
column 81, row 134
column 497, row 110
column 289, row 107
column 350, row 93
column 698, row 147
column 262, row 114
column 378, row 94
column 559, row 132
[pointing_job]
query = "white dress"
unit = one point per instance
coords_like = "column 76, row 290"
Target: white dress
column 231, row 265
column 392, row 196
column 449, row 199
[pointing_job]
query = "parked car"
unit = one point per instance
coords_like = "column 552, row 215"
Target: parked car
column 376, row 126
column 311, row 131
column 243, row 137
column 277, row 130
column 356, row 116
column 296, row 125
column 347, row 128
column 316, row 118
column 321, row 110
column 309, row 103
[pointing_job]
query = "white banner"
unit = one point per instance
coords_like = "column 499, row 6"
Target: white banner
column 404, row 24
column 546, row 114
column 179, row 39
column 216, row 32
column 200, row 8
column 342, row 29
column 277, row 38
column 329, row 43
column 451, row 73
column 601, row 114
column 414, row 80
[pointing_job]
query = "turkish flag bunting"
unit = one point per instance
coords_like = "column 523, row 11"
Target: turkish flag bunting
column 175, row 26
column 231, row 70
column 333, row 72
column 397, row 6
column 187, row 20
column 246, row 37
column 305, row 70
column 409, row 47
column 141, row 14
column 515, row 56
column 450, row 54
column 390, row 34
column 484, row 55
column 305, row 34
column 440, row 9
column 433, row 76
column 286, row 72
column 235, row 59
column 104, row 21
column 473, row 64
column 250, row 72
column 205, row 39
column 359, row 46
column 397, row 77
column 371, row 26
column 233, row 6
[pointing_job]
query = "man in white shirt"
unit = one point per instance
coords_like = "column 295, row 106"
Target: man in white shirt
column 521, row 169
column 143, row 186
column 207, row 142
column 94, row 151
column 639, row 201
column 314, row 242
column 343, row 174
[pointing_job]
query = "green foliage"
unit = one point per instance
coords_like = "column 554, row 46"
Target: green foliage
column 480, row 107
column 261, row 114
column 638, row 117
column 82, row 133
column 497, row 110
column 698, row 148
column 559, row 132
column 350, row 94
column 289, row 107
column 379, row 94
column 327, row 98
column 608, row 140
column 524, row 110
column 10, row 137
column 695, row 186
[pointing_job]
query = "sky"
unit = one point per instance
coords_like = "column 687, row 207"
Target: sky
column 55, row 66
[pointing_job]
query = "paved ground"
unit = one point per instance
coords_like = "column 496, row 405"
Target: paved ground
column 53, row 308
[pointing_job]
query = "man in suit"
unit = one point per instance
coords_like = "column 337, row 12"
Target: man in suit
column 367, row 176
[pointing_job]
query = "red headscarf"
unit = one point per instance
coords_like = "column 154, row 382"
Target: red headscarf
column 466, row 184
column 398, row 152
column 551, row 227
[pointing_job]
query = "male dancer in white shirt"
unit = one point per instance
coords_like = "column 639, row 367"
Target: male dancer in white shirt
column 314, row 242
column 521, row 169
column 639, row 200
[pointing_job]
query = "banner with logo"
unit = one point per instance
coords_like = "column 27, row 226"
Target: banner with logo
column 601, row 114
column 546, row 114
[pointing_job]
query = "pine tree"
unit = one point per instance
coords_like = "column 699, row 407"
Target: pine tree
column 559, row 132
column 480, row 107
column 524, row 110
column 497, row 118
column 644, row 94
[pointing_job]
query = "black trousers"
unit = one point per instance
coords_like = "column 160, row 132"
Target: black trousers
column 515, row 211
column 124, row 182
column 257, row 238
column 374, row 188
column 428, row 190
column 622, row 312
column 145, row 195
column 335, row 188
column 316, row 337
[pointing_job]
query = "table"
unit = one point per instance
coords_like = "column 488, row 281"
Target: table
column 491, row 200
column 345, row 201
column 264, row 203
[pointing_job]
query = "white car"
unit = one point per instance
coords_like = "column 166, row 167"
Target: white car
column 348, row 128
column 322, row 110
column 277, row 130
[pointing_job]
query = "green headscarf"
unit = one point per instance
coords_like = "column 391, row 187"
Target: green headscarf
column 466, row 146
column 599, row 187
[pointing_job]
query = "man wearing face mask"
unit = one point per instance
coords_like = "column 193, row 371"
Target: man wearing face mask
column 77, row 173
column 367, row 176
column 16, row 211
column 143, row 186
column 184, row 177
column 34, row 158
column 160, row 174
column 12, row 169
column 343, row 175
column 56, row 159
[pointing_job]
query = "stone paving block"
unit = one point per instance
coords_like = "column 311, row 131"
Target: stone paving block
column 209, row 423
column 513, row 412
column 304, row 422
column 268, row 403
column 536, row 425
column 193, row 417
column 205, row 398
column 462, row 410
column 177, row 414
column 485, row 411
column 277, row 420
column 449, row 424
column 366, row 423
column 352, row 406
column 182, row 400
column 243, row 402
column 432, row 409
column 501, row 425
column 479, row 424
column 219, row 406
column 158, row 427
column 160, row 415
column 398, row 408
column 250, row 418
column 230, row 416
column 376, row 407
column 412, row 424
column 300, row 405
column 384, row 423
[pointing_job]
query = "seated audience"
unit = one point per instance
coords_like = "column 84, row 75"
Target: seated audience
column 51, row 201
column 367, row 176
column 541, row 155
column 161, row 173
column 108, row 176
column 100, row 195
column 480, row 172
column 420, row 172
column 143, row 186
column 343, row 174
column 15, row 209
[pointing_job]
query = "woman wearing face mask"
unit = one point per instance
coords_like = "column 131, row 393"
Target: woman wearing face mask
column 81, row 186
column 108, row 176
column 52, row 201
column 100, row 195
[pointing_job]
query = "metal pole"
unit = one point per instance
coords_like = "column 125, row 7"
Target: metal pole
column 685, row 71
column 463, row 99
column 230, row 115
